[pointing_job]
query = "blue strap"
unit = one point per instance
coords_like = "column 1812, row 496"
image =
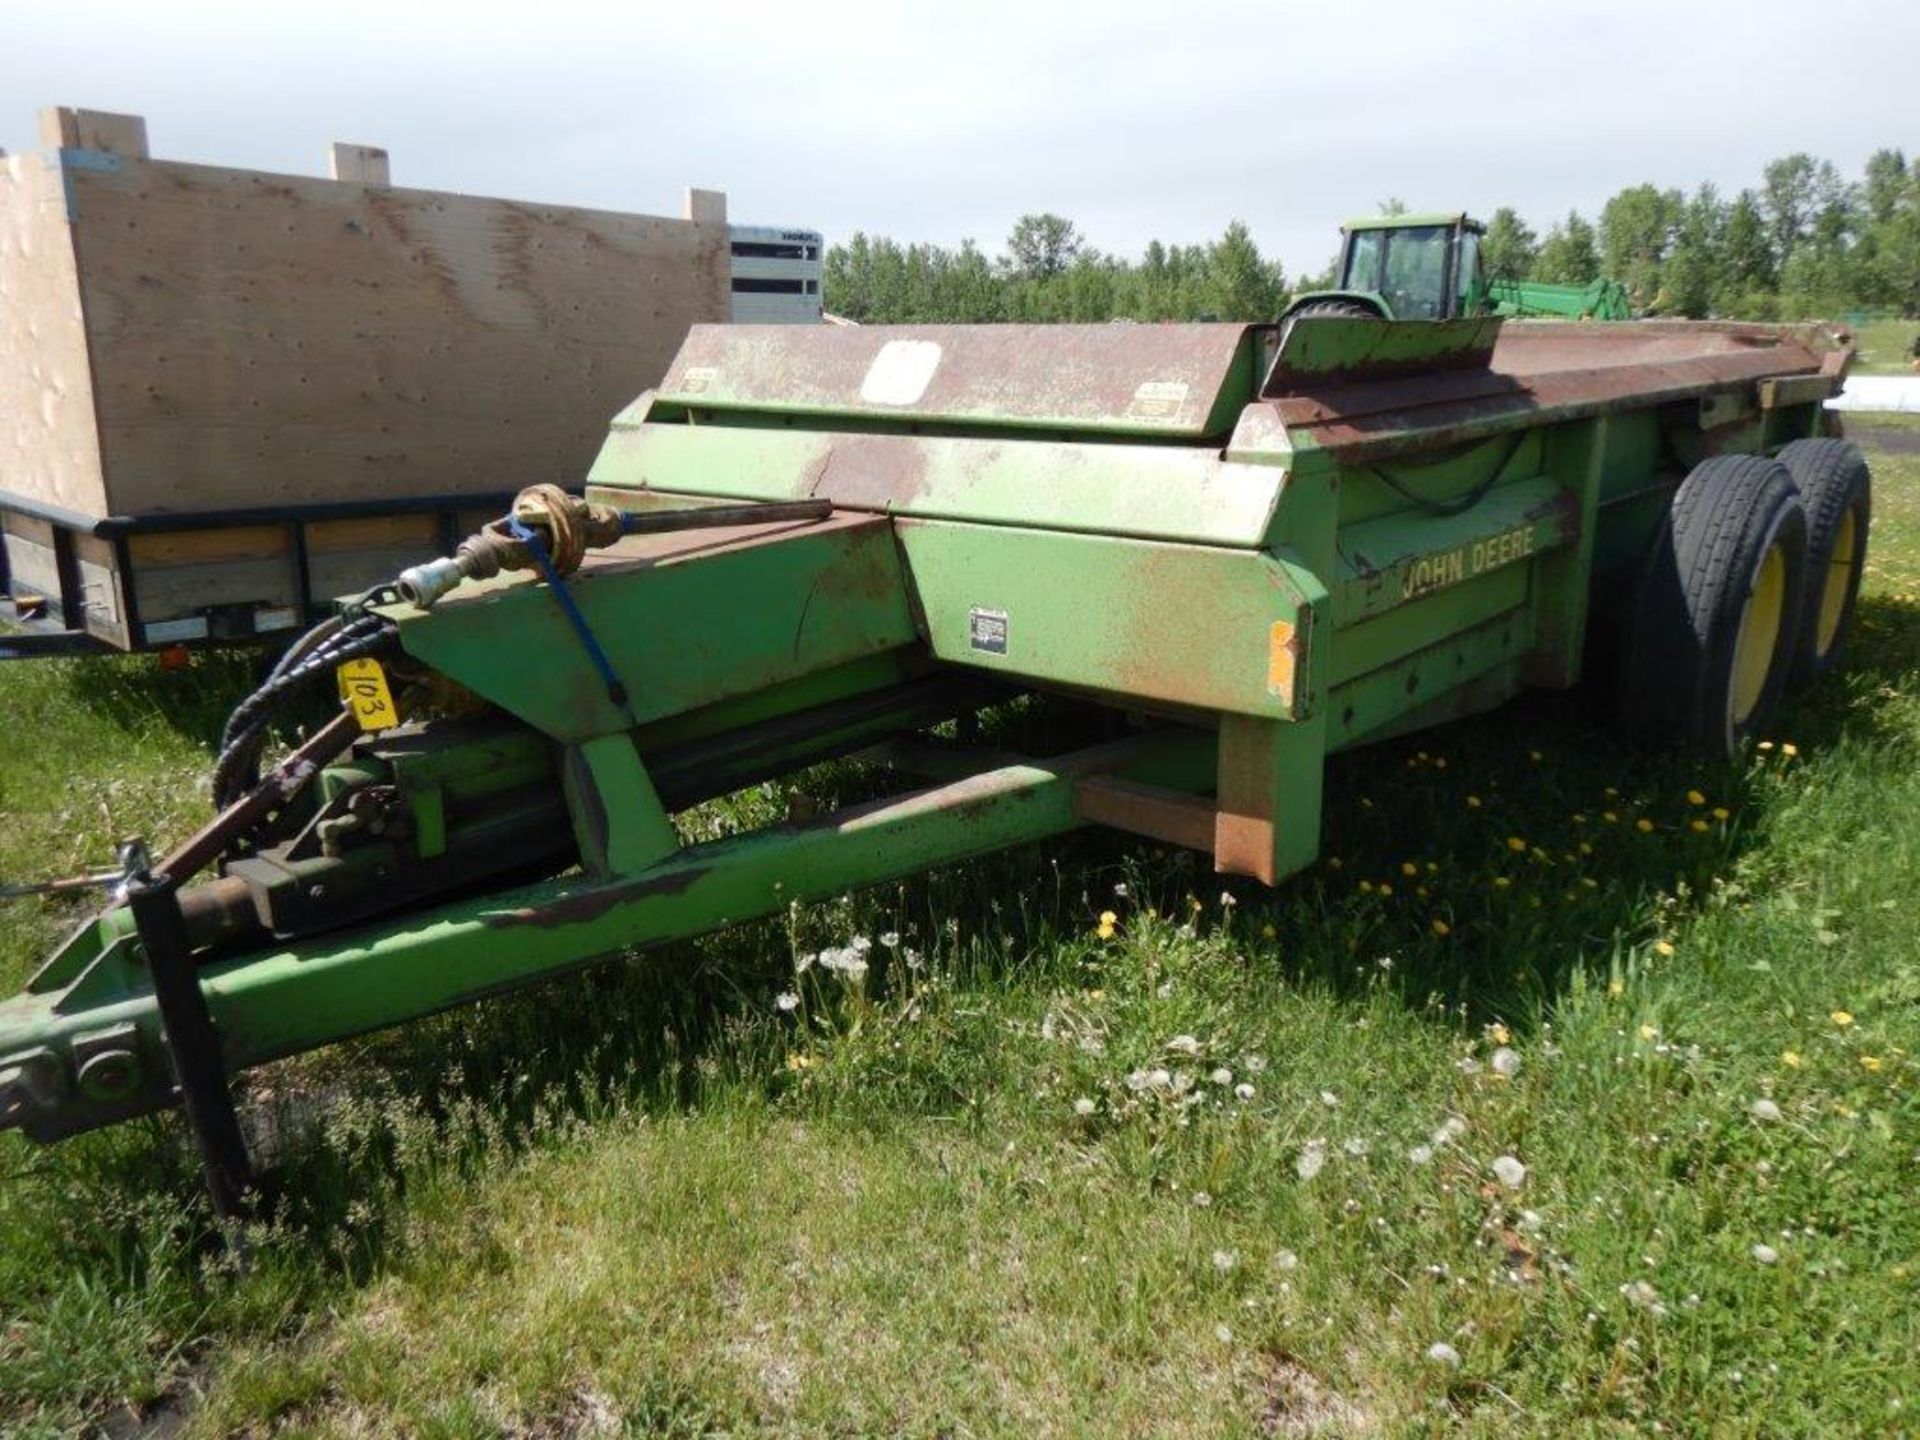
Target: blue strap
column 616, row 692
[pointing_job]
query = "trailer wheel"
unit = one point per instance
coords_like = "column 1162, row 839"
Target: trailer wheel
column 1836, row 488
column 1716, row 616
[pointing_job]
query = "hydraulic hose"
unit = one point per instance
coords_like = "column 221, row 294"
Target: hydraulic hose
column 314, row 656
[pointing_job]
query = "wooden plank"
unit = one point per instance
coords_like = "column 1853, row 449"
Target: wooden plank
column 361, row 164
column 49, row 448
column 273, row 340
column 102, row 596
column 65, row 128
column 200, row 547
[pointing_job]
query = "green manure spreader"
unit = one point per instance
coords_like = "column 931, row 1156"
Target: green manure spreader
column 1259, row 544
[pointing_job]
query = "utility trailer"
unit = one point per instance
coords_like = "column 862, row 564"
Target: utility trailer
column 1263, row 544
column 228, row 396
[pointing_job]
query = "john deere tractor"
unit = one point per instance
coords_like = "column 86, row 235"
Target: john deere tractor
column 1427, row 267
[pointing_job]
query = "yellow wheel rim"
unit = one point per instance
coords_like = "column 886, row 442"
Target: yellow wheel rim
column 1759, row 637
column 1837, row 584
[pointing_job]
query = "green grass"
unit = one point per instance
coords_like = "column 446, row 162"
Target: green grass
column 1884, row 347
column 649, row 1202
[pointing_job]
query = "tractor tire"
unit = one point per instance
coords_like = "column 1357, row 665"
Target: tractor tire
column 1836, row 488
column 1351, row 309
column 1716, row 618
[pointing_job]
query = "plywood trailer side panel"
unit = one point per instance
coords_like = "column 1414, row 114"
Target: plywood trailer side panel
column 267, row 340
column 49, row 448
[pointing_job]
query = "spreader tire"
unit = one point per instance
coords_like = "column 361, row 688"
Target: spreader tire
column 1836, row 489
column 1717, row 610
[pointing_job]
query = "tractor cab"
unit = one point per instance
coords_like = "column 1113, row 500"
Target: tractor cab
column 1406, row 267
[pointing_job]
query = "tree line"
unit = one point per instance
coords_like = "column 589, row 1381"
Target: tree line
column 1806, row 241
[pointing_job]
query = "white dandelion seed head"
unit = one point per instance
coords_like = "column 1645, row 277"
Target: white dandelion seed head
column 803, row 963
column 1225, row 1260
column 1420, row 1154
column 1356, row 1147
column 1201, row 1200
column 1184, row 1045
column 890, row 939
column 1509, row 1172
column 1763, row 1109
column 1223, row 1333
column 1441, row 1353
column 786, row 1000
column 1228, row 900
column 1159, row 1079
column 1221, row 1075
column 1505, row 1062
column 1083, row 1106
column 1311, row 1160
column 1329, row 1099
column 1180, row 1083
column 1286, row 1260
column 1254, row 1064
column 1243, row 1091
column 1120, row 889
column 860, row 945
column 1766, row 1254
column 1467, row 1065
column 1451, row 1129
column 1138, row 1079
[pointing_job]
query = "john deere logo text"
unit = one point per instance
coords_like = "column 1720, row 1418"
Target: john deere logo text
column 1450, row 567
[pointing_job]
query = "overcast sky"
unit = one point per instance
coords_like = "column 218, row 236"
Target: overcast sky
column 938, row 122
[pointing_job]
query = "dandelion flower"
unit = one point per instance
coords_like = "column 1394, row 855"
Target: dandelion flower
column 1643, row 825
column 1694, row 797
column 1501, row 882
column 1267, row 932
column 1790, row 1059
column 1225, row 1260
column 1441, row 1353
column 1441, row 928
column 797, row 1062
column 1516, row 844
column 1699, row 827
column 1385, row 888
column 1841, row 1018
column 1871, row 1063
column 1535, row 756
column 1616, row 987
column 1763, row 1109
column 1720, row 812
column 1612, row 817
column 1789, row 749
column 1409, row 869
column 1649, row 1032
column 1505, row 1062
column 1473, row 802
column 1663, row 948
column 1366, row 887
column 1311, row 1160
column 1509, row 1172
column 786, row 1000
column 1107, row 921
column 1766, row 1254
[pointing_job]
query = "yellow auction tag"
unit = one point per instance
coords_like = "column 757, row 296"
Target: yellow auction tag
column 363, row 686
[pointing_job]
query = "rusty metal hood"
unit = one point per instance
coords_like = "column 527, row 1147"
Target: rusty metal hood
column 1177, row 381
